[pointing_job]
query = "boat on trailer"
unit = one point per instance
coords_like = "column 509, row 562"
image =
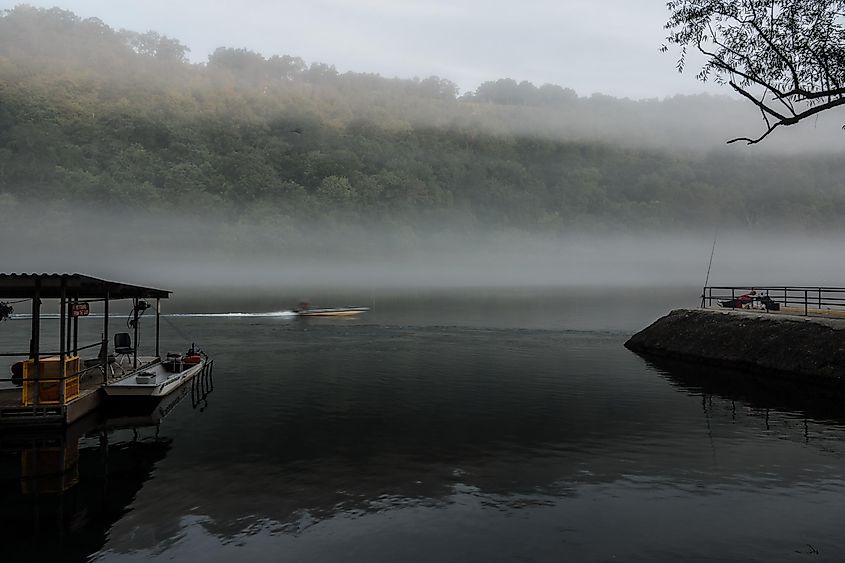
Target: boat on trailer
column 158, row 378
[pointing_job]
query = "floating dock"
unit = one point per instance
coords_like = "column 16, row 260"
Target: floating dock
column 14, row 413
column 57, row 386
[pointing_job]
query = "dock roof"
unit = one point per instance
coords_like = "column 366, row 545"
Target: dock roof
column 22, row 286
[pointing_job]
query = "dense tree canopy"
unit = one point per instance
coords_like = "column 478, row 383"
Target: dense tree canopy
column 786, row 56
column 93, row 115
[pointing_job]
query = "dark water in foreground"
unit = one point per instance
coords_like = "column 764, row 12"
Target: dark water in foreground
column 438, row 434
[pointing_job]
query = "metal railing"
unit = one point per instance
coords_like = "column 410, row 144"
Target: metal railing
column 45, row 354
column 801, row 300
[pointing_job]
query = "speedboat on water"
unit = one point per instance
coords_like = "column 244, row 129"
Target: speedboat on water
column 158, row 378
column 334, row 312
column 304, row 310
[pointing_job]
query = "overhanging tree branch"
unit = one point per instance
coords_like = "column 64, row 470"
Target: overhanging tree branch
column 763, row 107
column 787, row 120
column 730, row 70
column 791, row 49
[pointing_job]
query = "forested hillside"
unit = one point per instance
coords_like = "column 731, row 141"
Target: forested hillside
column 93, row 115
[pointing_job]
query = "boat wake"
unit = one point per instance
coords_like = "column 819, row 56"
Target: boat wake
column 235, row 315
column 283, row 314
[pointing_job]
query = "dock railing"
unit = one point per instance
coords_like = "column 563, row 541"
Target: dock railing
column 41, row 389
column 795, row 300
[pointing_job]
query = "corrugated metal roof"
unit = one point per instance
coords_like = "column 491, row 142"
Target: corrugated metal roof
column 23, row 286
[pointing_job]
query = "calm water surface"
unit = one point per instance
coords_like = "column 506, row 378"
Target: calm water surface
column 438, row 429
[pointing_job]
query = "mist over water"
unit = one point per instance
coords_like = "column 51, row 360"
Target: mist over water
column 506, row 241
column 189, row 254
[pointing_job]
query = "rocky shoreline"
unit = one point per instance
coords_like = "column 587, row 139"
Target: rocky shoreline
column 808, row 348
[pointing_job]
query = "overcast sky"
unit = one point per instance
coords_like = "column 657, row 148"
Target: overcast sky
column 608, row 46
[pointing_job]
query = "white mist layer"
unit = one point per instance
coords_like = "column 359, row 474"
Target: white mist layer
column 188, row 252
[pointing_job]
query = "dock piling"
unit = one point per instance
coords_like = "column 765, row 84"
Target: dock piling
column 63, row 306
column 106, row 338
column 36, row 339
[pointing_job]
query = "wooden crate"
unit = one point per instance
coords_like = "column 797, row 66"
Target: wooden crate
column 47, row 392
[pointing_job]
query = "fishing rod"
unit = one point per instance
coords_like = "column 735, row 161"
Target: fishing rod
column 181, row 333
column 709, row 266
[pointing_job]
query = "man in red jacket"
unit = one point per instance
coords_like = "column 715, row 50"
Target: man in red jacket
column 745, row 300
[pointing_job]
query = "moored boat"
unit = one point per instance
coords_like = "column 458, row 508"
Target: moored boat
column 158, row 378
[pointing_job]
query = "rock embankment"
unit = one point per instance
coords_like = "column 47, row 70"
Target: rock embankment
column 780, row 345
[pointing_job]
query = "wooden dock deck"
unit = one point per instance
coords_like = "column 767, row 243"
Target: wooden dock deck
column 49, row 371
column 91, row 396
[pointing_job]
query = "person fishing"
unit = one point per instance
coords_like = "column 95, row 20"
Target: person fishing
column 746, row 299
column 742, row 302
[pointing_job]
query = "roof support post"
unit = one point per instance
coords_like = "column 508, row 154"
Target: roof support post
column 62, row 348
column 68, row 329
column 75, row 331
column 158, row 318
column 106, row 338
column 36, row 339
column 135, row 340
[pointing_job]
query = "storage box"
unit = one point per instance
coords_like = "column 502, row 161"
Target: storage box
column 47, row 392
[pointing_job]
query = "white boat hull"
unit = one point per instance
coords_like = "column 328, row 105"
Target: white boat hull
column 152, row 381
column 336, row 312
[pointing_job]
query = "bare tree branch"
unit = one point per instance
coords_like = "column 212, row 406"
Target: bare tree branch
column 793, row 49
column 750, row 141
column 763, row 107
column 784, row 58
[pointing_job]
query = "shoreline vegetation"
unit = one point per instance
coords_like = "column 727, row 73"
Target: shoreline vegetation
column 92, row 117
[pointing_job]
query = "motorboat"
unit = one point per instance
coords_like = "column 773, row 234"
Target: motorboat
column 159, row 377
column 304, row 309
column 333, row 312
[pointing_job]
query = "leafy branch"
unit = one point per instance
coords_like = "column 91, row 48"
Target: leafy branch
column 787, row 57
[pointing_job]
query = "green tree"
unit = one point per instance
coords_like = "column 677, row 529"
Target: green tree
column 151, row 44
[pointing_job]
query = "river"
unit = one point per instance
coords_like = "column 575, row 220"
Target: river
column 498, row 425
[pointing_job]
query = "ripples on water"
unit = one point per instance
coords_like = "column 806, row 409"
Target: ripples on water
column 399, row 438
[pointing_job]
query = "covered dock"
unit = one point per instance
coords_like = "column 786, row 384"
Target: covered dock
column 57, row 386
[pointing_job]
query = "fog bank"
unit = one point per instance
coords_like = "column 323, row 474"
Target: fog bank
column 180, row 252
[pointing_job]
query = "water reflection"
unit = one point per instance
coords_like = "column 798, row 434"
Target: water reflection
column 761, row 393
column 337, row 441
column 777, row 407
column 64, row 489
column 466, row 423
